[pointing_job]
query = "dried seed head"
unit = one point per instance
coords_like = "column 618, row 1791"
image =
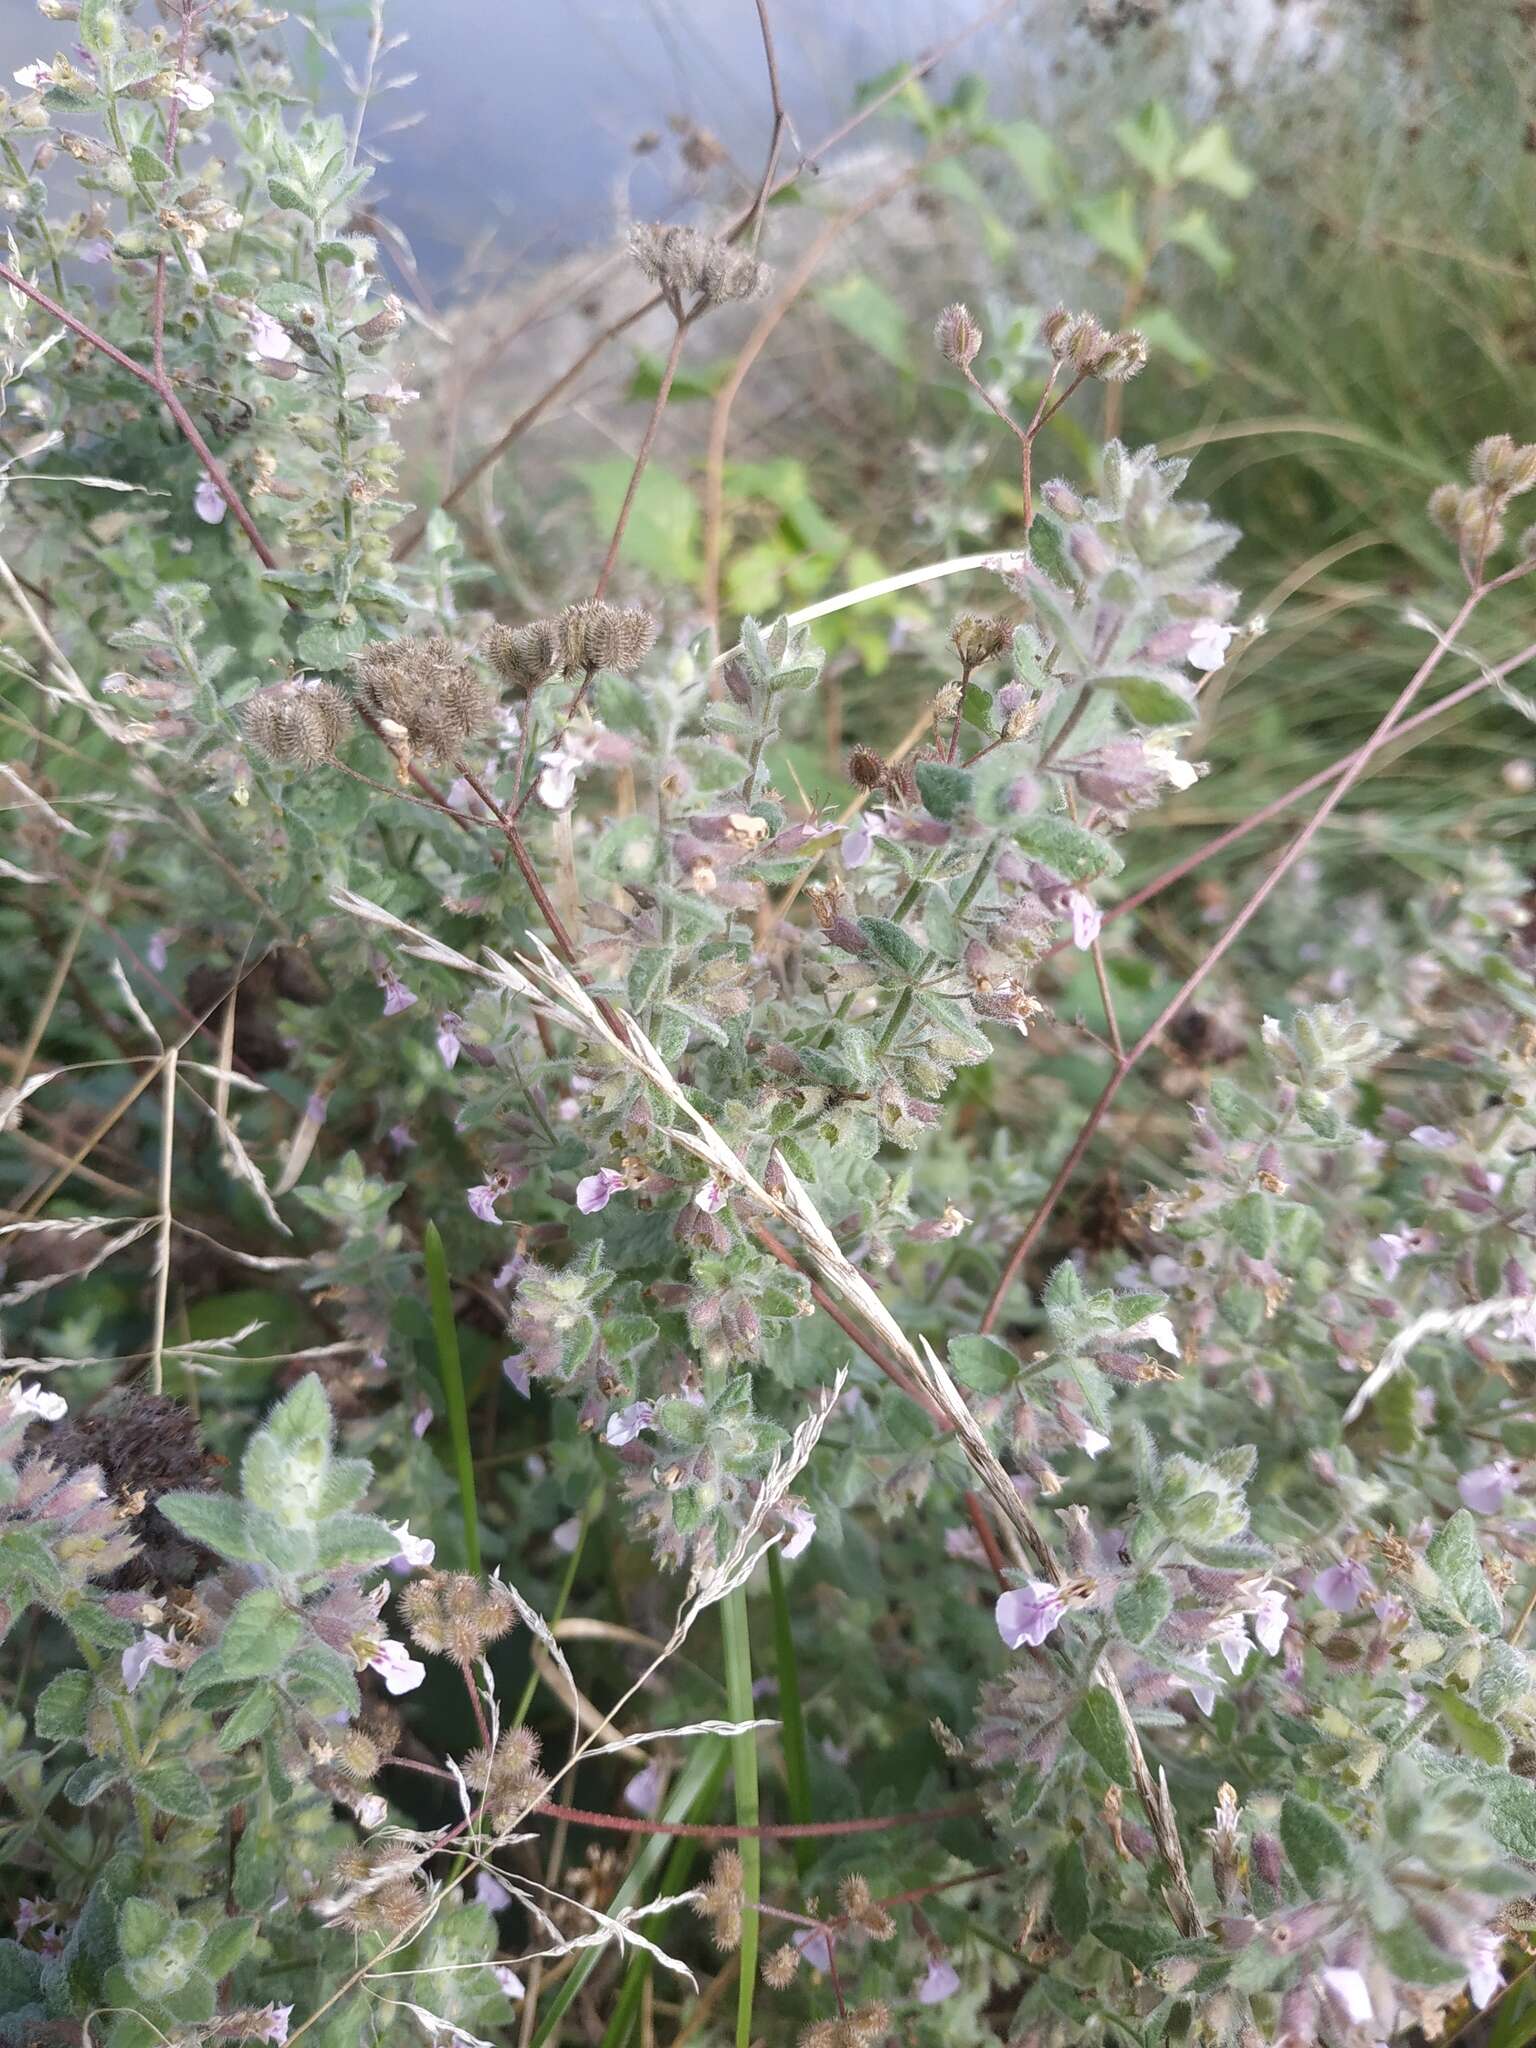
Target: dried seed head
column 299, row 723
column 780, row 1967
column 977, row 638
column 358, row 1755
column 1124, row 355
column 1055, row 329
column 719, row 1901
column 866, row 768
column 509, row 1777
column 957, row 336
column 858, row 1904
column 1445, row 509
column 525, row 655
column 1078, row 340
column 688, row 264
column 377, row 329
column 1503, row 465
column 596, row 635
column 452, row 1614
column 427, row 689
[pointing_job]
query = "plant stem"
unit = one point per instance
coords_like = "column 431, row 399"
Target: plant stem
column 737, row 1638
column 797, row 1776
column 446, row 1336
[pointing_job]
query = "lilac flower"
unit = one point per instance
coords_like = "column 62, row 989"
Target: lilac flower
column 558, row 766
column 195, row 92
column 1391, row 1248
column 1271, row 1619
column 1087, row 919
column 625, row 1424
column 413, row 1551
column 34, row 77
column 421, row 1421
column 449, row 1045
column 1433, row 1138
column 155, row 951
column 566, row 1535
column 941, row 1982
column 482, row 1199
column 516, row 1376
column 801, row 1524
column 270, row 2024
column 1029, row 1614
column 712, row 1196
column 1203, row 1690
column 599, row 1189
column 643, row 1792
column 1348, row 1990
column 399, row 1670
column 399, row 1138
column 812, row 1944
column 1342, row 1586
column 208, row 501
column 491, row 1892
column 1485, row 1488
column 36, row 1400
column 509, row 1980
column 1230, row 1639
column 858, row 843
column 32, row 1913
column 397, row 996
column 1208, row 644
column 149, row 1650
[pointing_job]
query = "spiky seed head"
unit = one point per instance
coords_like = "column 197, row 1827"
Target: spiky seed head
column 866, row 768
column 525, row 655
column 426, row 688
column 688, row 264
column 1503, row 465
column 957, row 336
column 596, row 635
column 299, row 723
column 1056, row 330
column 780, row 1967
column 1124, row 355
column 1445, row 509
column 977, row 638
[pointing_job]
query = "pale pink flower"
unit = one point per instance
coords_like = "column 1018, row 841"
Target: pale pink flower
column 1087, row 919
column 1433, row 1138
column 270, row 2024
column 598, row 1189
column 812, row 1944
column 139, row 1657
column 712, row 1196
column 1485, row 1488
column 942, row 1981
column 400, row 1671
column 194, row 90
column 208, row 501
column 32, row 1913
column 515, row 1373
column 270, row 339
column 1029, row 1613
column 508, row 1979
column 566, row 1535
column 421, row 1421
column 34, row 77
column 858, row 843
column 643, row 1792
column 800, row 1522
column 449, row 1044
column 1485, row 1979
column 1271, row 1619
column 94, row 249
column 1350, row 1993
column 482, row 1199
column 490, row 1891
column 1230, row 1640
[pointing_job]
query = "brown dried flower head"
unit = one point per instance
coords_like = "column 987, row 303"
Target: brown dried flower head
column 779, row 1968
column 866, row 768
column 525, row 655
column 452, row 1614
column 596, row 635
column 509, row 1776
column 425, row 693
column 978, row 637
column 688, row 264
column 299, row 723
column 858, row 1905
column 1080, row 342
column 719, row 1901
column 957, row 336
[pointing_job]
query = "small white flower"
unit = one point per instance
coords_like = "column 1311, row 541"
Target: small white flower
column 625, row 1424
column 373, row 1811
column 34, row 77
column 208, row 501
column 508, row 1979
column 1350, row 1992
column 1093, row 1441
column 36, row 1400
column 712, row 1196
column 414, row 1550
column 1485, row 1979
column 193, row 90
column 399, row 1670
column 1271, row 1619
column 565, row 1535
column 490, row 1891
column 643, row 1792
column 1087, row 919
column 1208, row 644
column 801, row 1524
column 141, row 1656
column 1161, row 1332
column 270, row 340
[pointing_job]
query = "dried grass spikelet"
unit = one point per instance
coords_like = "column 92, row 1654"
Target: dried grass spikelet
column 425, row 694
column 596, row 635
column 452, row 1614
column 298, row 723
column 525, row 655
column 508, row 1776
column 957, row 336
column 719, row 1901
column 688, row 264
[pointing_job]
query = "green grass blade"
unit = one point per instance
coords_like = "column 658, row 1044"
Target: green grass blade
column 452, row 1375
column 673, row 1879
column 797, row 1769
column 741, row 1707
column 703, row 1770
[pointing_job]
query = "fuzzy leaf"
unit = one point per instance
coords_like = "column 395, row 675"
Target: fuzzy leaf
column 898, row 948
column 249, row 1718
column 1316, row 1846
column 1152, row 698
column 1068, row 850
column 61, row 1708
column 175, row 1788
column 944, row 788
column 1096, row 1724
column 985, row 1364
column 1455, row 1557
column 259, row 1635
column 1142, row 1606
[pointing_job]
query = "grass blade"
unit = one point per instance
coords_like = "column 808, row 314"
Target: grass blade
column 739, row 1704
column 451, row 1372
column 797, row 1769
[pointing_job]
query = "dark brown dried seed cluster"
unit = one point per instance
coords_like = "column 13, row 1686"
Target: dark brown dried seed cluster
column 978, row 638
column 425, row 693
column 144, row 1445
column 584, row 638
column 688, row 264
column 299, row 723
